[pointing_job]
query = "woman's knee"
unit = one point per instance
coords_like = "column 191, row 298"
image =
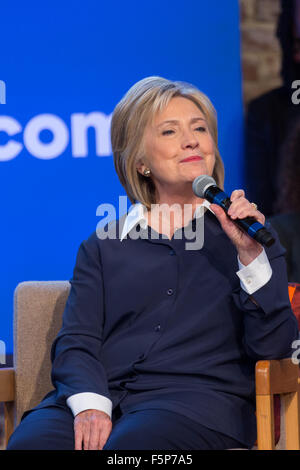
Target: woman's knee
column 142, row 430
column 44, row 429
column 164, row 430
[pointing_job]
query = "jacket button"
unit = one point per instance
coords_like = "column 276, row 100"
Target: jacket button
column 170, row 291
column 157, row 328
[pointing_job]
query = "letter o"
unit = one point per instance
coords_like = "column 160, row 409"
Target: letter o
column 42, row 150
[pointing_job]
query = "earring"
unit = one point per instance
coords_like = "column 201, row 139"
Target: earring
column 146, row 172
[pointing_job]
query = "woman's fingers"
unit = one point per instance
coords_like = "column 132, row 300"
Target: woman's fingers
column 78, row 437
column 104, row 435
column 241, row 207
column 248, row 249
column 91, row 428
column 86, row 434
column 94, row 433
column 236, row 194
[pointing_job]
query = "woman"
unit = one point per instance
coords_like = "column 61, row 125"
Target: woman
column 158, row 344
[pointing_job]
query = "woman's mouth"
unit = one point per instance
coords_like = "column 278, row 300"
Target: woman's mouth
column 192, row 158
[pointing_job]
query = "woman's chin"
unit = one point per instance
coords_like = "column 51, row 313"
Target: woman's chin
column 197, row 172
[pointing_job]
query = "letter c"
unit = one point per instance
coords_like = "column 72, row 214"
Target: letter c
column 12, row 148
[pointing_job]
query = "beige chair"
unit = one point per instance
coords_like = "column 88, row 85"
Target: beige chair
column 38, row 308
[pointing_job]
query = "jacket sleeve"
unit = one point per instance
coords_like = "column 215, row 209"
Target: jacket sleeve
column 75, row 353
column 270, row 327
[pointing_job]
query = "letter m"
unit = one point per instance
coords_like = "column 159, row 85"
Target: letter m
column 2, row 92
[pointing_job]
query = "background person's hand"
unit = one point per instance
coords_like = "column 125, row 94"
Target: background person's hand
column 248, row 249
column 91, row 428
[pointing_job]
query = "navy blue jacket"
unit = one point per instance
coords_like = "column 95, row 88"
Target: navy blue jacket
column 149, row 324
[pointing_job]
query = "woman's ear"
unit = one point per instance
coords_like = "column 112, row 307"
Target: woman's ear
column 140, row 167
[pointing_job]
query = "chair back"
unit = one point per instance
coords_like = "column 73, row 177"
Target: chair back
column 38, row 309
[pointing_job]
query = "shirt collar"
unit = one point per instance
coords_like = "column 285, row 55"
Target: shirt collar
column 136, row 215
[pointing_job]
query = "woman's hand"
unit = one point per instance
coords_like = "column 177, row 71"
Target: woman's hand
column 248, row 249
column 92, row 428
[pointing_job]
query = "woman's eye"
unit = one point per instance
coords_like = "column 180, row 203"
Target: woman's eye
column 201, row 129
column 167, row 132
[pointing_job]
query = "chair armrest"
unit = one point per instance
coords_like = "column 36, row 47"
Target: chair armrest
column 7, row 395
column 277, row 377
column 7, row 384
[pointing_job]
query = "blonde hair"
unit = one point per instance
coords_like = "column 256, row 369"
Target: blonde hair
column 130, row 118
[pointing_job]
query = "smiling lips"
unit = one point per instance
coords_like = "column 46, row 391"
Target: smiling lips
column 192, row 158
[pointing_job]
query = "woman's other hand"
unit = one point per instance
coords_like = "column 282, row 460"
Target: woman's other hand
column 91, row 428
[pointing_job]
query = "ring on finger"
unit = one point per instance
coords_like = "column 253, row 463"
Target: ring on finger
column 254, row 205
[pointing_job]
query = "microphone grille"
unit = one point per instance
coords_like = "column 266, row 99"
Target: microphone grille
column 201, row 183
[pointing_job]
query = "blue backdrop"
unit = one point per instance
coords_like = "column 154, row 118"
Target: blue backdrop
column 60, row 62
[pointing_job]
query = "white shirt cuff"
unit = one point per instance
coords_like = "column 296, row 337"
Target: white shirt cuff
column 87, row 401
column 256, row 274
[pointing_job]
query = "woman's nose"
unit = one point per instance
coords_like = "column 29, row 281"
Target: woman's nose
column 189, row 140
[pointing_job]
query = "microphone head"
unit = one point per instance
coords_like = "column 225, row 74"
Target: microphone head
column 201, row 183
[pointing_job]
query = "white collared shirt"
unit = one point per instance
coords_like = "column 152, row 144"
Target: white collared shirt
column 252, row 277
column 137, row 214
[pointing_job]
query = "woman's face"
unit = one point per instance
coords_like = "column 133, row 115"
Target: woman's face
column 179, row 132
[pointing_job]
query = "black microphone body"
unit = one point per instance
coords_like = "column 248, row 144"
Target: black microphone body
column 204, row 186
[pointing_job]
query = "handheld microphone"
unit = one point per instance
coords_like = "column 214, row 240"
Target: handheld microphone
column 204, row 186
